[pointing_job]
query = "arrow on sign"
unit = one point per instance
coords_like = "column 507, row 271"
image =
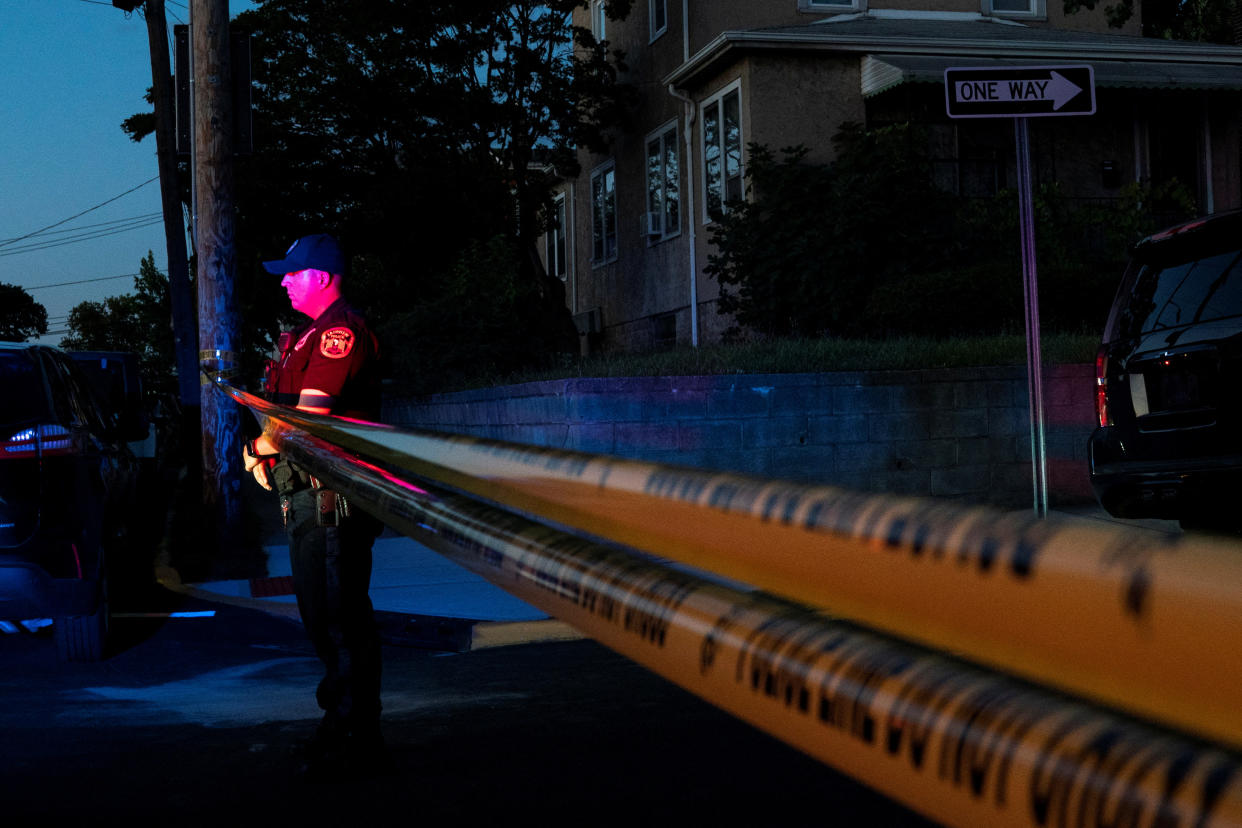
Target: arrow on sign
column 1057, row 89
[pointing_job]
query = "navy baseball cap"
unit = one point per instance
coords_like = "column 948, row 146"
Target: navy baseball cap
column 317, row 252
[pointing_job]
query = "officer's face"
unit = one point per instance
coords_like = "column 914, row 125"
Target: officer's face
column 301, row 286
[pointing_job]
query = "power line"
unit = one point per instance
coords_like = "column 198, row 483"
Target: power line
column 90, row 226
column 135, row 224
column 84, row 212
column 87, row 281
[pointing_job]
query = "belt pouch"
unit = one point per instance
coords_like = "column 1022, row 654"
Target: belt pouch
column 284, row 477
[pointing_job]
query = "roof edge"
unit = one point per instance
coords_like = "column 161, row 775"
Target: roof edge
column 721, row 47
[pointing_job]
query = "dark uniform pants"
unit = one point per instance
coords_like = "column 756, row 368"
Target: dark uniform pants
column 332, row 580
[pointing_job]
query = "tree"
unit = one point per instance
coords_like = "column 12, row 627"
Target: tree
column 411, row 131
column 1211, row 21
column 141, row 124
column 540, row 89
column 418, row 133
column 140, row 322
column 21, row 317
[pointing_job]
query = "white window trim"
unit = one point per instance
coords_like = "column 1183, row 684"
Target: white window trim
column 651, row 20
column 599, row 171
column 673, row 126
column 560, row 204
column 1036, row 10
column 703, row 105
column 821, row 6
column 599, row 22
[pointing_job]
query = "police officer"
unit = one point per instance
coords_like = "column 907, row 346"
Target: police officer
column 329, row 366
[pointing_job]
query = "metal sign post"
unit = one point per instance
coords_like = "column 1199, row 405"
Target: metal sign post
column 1030, row 295
column 1022, row 92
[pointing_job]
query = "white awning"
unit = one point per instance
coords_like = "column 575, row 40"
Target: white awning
column 883, row 72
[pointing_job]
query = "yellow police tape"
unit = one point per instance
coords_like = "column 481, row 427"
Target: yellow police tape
column 961, row 745
column 1142, row 621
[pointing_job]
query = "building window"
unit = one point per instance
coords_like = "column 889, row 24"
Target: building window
column 1017, row 8
column 556, row 247
column 663, row 217
column 604, row 213
column 599, row 19
column 664, row 330
column 832, row 5
column 722, row 151
column 658, row 17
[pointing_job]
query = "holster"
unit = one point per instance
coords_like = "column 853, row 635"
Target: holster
column 330, row 507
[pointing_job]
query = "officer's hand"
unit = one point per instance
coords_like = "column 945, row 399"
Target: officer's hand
column 256, row 466
column 259, row 470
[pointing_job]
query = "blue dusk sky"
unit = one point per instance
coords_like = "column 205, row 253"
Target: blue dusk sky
column 70, row 72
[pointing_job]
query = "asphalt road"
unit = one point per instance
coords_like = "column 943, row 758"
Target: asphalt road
column 193, row 722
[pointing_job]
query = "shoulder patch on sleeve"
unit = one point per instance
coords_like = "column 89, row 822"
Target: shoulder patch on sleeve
column 336, row 343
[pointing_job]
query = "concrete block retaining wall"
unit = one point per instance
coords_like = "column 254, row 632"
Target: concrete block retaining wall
column 957, row 433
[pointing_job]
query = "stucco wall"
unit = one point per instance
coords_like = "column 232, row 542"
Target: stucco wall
column 957, row 433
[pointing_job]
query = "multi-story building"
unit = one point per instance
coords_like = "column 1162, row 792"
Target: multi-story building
column 633, row 232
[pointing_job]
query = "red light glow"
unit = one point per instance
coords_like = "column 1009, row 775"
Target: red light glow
column 1101, row 388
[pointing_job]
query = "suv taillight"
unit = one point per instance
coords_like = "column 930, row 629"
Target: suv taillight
column 39, row 441
column 1101, row 387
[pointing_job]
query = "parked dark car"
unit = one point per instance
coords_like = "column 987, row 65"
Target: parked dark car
column 66, row 478
column 1169, row 380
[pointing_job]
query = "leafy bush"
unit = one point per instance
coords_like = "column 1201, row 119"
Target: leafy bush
column 481, row 318
column 799, row 257
column 868, row 246
column 785, row 356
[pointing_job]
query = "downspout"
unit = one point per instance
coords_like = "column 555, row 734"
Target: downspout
column 691, row 221
column 685, row 31
column 1209, row 195
column 571, row 247
column 688, row 134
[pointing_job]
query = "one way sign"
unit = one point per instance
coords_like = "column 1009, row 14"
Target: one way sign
column 1019, row 91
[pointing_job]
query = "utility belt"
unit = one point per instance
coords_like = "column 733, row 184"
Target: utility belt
column 331, row 507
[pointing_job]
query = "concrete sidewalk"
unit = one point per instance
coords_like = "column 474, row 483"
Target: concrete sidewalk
column 423, row 599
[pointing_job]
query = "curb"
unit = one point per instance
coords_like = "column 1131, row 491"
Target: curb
column 430, row 632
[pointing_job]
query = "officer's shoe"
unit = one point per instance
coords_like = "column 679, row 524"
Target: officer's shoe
column 323, row 756
column 367, row 755
column 323, row 766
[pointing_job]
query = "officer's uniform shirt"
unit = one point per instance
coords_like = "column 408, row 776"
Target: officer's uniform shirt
column 337, row 354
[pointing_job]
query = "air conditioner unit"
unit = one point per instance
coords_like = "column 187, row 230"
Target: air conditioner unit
column 653, row 224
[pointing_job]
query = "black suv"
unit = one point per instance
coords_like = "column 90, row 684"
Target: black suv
column 1169, row 380
column 66, row 480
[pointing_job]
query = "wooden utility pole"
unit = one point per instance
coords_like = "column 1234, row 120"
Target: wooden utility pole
column 185, row 327
column 217, row 259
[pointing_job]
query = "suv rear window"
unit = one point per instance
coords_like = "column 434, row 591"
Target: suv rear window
column 1180, row 284
column 22, row 397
